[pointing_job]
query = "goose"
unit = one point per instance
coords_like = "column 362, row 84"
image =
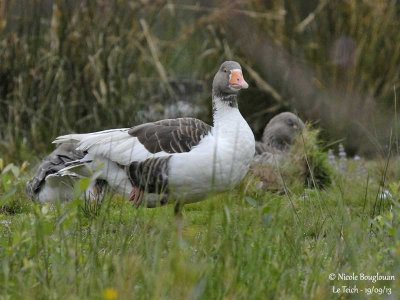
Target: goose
column 183, row 159
column 284, row 159
column 279, row 135
column 273, row 152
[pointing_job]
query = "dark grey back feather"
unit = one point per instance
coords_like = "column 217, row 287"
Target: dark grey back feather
column 171, row 135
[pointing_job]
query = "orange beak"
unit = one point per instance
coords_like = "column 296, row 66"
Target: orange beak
column 237, row 81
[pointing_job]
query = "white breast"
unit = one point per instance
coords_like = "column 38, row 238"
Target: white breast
column 218, row 163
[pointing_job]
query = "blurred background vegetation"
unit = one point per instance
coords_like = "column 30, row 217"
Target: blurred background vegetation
column 79, row 66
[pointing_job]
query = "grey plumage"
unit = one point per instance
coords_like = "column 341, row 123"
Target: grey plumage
column 263, row 148
column 278, row 136
column 281, row 159
column 51, row 164
column 222, row 77
column 301, row 163
column 48, row 176
column 150, row 175
column 280, row 132
column 171, row 135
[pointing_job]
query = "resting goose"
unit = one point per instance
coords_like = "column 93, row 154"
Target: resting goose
column 182, row 159
column 291, row 160
column 278, row 136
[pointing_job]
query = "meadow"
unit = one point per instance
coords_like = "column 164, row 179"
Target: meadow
column 74, row 67
column 244, row 244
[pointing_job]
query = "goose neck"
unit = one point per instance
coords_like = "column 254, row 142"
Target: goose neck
column 224, row 106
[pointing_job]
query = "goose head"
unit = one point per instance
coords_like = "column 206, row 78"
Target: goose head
column 281, row 130
column 229, row 79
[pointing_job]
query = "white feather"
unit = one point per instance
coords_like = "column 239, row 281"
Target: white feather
column 116, row 145
column 58, row 187
column 219, row 162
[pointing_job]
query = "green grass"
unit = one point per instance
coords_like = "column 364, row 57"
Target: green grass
column 95, row 66
column 245, row 244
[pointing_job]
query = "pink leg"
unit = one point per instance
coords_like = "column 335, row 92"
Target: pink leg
column 136, row 196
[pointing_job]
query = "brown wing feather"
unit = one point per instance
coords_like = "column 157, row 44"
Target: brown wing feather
column 171, row 135
column 150, row 175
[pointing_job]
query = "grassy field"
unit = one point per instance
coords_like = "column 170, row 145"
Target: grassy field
column 79, row 66
column 245, row 244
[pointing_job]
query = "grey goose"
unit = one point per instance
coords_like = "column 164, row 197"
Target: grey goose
column 279, row 134
column 182, row 159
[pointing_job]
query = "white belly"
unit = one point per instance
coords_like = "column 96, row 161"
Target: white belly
column 217, row 164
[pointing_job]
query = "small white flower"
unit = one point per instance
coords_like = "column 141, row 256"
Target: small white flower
column 385, row 195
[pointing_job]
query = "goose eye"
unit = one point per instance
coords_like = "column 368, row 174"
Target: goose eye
column 290, row 123
column 225, row 70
